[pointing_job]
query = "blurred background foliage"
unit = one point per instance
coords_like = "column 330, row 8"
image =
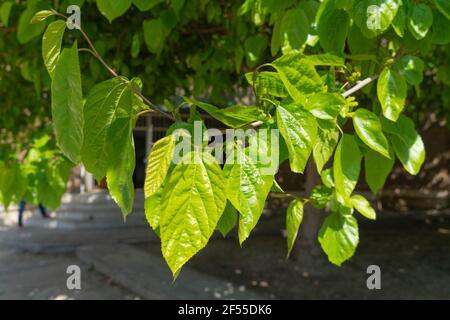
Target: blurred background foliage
column 201, row 48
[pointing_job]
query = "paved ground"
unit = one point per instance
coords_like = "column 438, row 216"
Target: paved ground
column 124, row 261
column 34, row 260
column 43, row 276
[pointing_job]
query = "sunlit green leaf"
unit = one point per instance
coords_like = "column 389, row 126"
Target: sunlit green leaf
column 119, row 174
column 51, row 44
column 368, row 127
column 235, row 117
column 407, row 143
column 411, row 68
column 347, row 165
column 41, row 16
column 377, row 169
column 158, row 164
column 324, row 147
column 392, row 90
column 247, row 189
column 363, row 206
column 339, row 237
column 104, row 103
column 374, row 17
column 299, row 76
column 331, row 38
column 193, row 203
column 299, row 130
column 67, row 104
column 228, row 220
column 420, row 20
column 294, row 217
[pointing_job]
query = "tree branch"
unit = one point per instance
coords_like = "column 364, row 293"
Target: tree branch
column 360, row 85
column 356, row 88
column 114, row 74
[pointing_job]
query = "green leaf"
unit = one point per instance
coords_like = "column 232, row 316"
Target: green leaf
column 377, row 168
column 67, row 104
column 193, row 203
column 392, row 91
column 104, row 103
column 327, row 178
column 119, row 174
column 5, row 11
column 326, row 142
column 113, row 9
column 26, row 31
column 368, row 127
column 51, row 44
column 407, row 143
column 154, row 35
column 254, row 49
column 41, row 16
column 135, row 46
column 228, row 220
column 444, row 7
column 276, row 187
column 267, row 83
column 411, row 68
column 246, row 7
column 145, row 5
column 363, row 206
column 331, row 38
column 234, row 117
column 325, row 59
column 153, row 209
column 294, row 29
column 339, row 237
column 247, row 189
column 158, row 165
column 299, row 130
column 13, row 183
column 399, row 23
column 277, row 38
column 358, row 43
column 299, row 77
column 440, row 33
column 374, row 17
column 320, row 195
column 420, row 20
column 346, row 166
column 294, row 217
column 344, row 4
column 52, row 183
column 177, row 5
column 325, row 106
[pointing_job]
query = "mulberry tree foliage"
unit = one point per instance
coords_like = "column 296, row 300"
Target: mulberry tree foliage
column 335, row 77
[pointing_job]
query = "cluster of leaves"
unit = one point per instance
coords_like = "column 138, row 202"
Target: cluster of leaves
column 325, row 46
column 38, row 176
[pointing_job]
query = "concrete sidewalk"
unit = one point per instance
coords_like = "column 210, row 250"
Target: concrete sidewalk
column 43, row 277
column 89, row 231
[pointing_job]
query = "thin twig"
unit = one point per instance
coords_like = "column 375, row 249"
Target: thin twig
column 114, row 73
column 360, row 85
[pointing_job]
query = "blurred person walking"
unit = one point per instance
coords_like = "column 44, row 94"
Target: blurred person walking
column 22, row 206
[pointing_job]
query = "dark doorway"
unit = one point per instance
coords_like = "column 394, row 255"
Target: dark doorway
column 139, row 172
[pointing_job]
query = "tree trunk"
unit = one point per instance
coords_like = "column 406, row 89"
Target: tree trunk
column 307, row 244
